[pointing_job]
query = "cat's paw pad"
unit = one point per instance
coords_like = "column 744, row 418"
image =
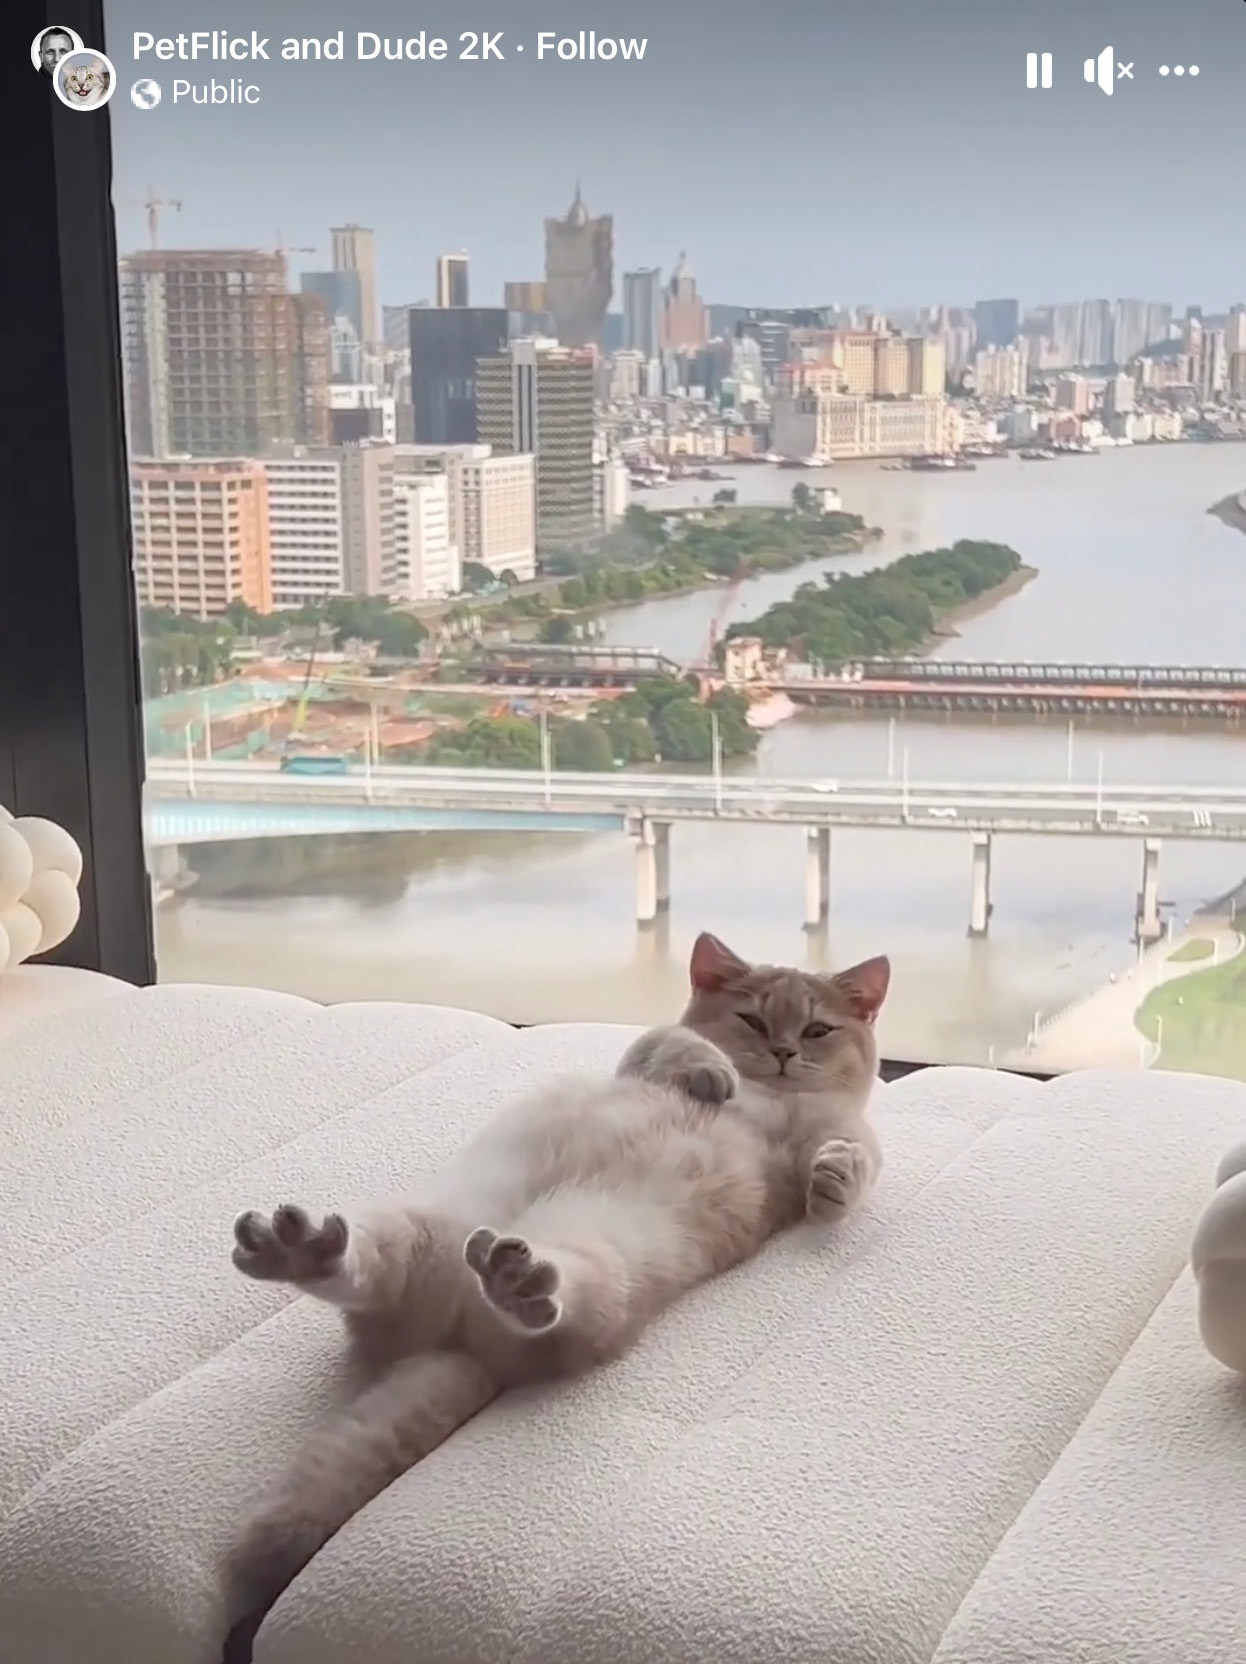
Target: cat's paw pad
column 838, row 1179
column 286, row 1247
column 514, row 1280
column 708, row 1083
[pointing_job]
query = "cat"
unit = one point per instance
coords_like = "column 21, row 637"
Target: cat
column 574, row 1217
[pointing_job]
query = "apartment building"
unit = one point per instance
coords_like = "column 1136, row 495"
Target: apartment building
column 201, row 535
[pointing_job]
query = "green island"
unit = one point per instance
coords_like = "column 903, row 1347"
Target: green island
column 892, row 610
column 1199, row 1020
column 651, row 555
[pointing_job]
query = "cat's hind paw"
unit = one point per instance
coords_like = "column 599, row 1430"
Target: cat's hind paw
column 514, row 1280
column 285, row 1247
column 839, row 1179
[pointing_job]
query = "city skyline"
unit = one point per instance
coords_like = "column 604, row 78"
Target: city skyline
column 938, row 159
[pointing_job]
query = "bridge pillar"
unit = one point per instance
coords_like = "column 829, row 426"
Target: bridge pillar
column 166, row 866
column 646, row 836
column 817, row 876
column 662, row 864
column 1148, row 923
column 980, row 904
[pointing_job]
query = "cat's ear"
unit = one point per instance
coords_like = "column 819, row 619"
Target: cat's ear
column 713, row 964
column 865, row 986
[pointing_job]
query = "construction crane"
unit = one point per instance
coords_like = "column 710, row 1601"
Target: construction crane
column 283, row 249
column 153, row 204
column 726, row 601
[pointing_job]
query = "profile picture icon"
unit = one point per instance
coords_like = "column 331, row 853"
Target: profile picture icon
column 51, row 45
column 85, row 80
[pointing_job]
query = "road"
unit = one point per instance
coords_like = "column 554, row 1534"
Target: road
column 1217, row 813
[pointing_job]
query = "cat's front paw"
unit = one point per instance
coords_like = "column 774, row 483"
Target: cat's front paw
column 710, row 1082
column 516, row 1282
column 839, row 1179
column 287, row 1247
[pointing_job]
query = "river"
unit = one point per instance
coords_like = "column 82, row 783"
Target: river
column 539, row 927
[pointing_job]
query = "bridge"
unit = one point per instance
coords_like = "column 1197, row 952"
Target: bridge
column 194, row 802
column 546, row 665
column 1164, row 693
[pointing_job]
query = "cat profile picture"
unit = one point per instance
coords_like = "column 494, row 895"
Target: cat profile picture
column 51, row 45
column 85, row 80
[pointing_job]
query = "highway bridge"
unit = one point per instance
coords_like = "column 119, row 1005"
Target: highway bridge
column 192, row 802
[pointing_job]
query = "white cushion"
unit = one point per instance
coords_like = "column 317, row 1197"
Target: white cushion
column 818, row 1458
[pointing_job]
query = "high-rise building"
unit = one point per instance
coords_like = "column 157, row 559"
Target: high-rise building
column 526, row 296
column 579, row 274
column 368, row 519
column 1129, row 330
column 446, row 346
column 1000, row 373
column 537, row 399
column 492, row 503
column 1159, row 323
column 354, row 250
column 220, row 358
column 201, row 535
column 427, row 566
column 685, row 321
column 1073, row 393
column 642, row 312
column 1095, row 333
column 1235, row 331
column 452, row 280
column 997, row 323
column 307, row 538
column 342, row 294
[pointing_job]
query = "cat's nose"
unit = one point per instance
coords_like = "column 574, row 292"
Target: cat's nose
column 783, row 1053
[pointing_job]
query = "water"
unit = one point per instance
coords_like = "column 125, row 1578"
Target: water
column 540, row 927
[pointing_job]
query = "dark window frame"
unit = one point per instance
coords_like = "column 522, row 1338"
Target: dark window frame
column 71, row 742
column 71, row 732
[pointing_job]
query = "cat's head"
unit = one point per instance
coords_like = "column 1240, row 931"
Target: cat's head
column 791, row 1029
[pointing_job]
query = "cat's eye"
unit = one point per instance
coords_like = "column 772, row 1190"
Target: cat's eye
column 816, row 1031
column 757, row 1024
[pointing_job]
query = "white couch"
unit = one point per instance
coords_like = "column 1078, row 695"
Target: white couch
column 974, row 1424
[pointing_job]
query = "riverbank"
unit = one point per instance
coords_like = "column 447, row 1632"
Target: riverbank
column 948, row 627
column 1232, row 510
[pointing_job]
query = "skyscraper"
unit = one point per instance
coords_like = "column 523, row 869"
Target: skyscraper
column 537, row 399
column 342, row 294
column 685, row 323
column 642, row 312
column 220, row 359
column 354, row 250
column 579, row 274
column 446, row 345
column 451, row 287
column 997, row 322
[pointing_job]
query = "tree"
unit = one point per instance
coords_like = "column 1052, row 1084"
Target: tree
column 802, row 498
column 725, row 496
column 476, row 577
column 581, row 746
column 683, row 732
column 557, row 631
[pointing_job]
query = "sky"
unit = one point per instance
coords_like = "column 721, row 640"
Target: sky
column 802, row 152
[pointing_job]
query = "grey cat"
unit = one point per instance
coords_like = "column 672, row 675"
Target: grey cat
column 562, row 1229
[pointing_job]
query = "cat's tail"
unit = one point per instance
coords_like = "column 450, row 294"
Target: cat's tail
column 387, row 1429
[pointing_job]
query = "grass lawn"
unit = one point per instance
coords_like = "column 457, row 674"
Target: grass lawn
column 1204, row 1020
column 1198, row 948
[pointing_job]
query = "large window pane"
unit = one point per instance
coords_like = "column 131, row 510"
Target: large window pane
column 778, row 474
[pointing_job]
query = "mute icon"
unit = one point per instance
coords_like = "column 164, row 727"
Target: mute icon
column 1105, row 72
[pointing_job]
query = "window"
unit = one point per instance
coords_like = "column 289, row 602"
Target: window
column 834, row 537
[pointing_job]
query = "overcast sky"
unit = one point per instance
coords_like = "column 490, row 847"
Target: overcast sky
column 801, row 151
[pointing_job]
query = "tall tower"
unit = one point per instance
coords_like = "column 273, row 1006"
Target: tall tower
column 686, row 322
column 354, row 250
column 579, row 274
column 447, row 344
column 642, row 311
column 452, row 280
